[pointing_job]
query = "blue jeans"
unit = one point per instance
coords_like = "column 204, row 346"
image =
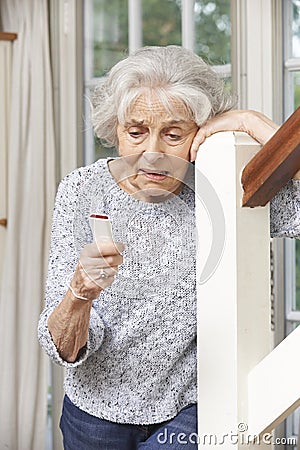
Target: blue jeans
column 81, row 431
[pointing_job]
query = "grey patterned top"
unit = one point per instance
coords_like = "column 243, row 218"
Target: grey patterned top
column 139, row 365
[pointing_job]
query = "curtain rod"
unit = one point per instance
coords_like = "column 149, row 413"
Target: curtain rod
column 7, row 36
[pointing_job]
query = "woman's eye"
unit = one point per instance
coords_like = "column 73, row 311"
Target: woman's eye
column 173, row 136
column 136, row 133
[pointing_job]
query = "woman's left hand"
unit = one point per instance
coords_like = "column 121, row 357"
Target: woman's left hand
column 254, row 123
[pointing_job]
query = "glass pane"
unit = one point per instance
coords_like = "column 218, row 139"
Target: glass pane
column 213, row 30
column 161, row 22
column 103, row 152
column 296, row 417
column 296, row 28
column 110, row 34
column 296, row 83
column 228, row 83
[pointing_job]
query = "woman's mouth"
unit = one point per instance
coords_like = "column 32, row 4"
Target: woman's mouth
column 155, row 175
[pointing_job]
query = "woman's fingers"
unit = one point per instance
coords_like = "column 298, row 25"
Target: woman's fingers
column 102, row 276
column 198, row 140
column 224, row 122
column 103, row 271
column 101, row 255
column 96, row 249
column 98, row 265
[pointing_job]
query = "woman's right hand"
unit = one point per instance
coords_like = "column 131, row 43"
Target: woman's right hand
column 69, row 322
column 96, row 259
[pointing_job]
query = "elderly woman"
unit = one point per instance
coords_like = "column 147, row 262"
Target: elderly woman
column 120, row 314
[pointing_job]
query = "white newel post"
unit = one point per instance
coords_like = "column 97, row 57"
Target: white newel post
column 233, row 273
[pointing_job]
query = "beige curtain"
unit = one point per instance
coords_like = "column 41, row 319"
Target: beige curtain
column 31, row 190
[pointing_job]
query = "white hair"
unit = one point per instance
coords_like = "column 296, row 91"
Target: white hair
column 172, row 73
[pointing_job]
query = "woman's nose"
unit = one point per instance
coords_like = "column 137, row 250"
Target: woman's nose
column 152, row 157
column 153, row 146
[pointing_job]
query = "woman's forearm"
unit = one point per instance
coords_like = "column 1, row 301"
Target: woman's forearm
column 69, row 325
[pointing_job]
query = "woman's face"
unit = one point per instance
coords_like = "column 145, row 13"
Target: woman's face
column 156, row 147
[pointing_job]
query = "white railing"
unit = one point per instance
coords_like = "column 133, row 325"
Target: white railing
column 240, row 397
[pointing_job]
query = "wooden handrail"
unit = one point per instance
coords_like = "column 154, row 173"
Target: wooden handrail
column 274, row 165
column 7, row 36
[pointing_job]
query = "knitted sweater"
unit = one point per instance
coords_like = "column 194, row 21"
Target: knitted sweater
column 139, row 365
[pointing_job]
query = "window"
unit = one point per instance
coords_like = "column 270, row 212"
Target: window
column 112, row 28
